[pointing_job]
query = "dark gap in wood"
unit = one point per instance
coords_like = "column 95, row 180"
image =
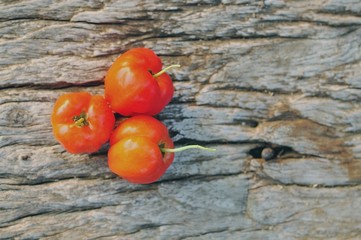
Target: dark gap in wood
column 56, row 85
column 184, row 141
column 62, row 85
column 270, row 152
column 196, row 177
column 188, row 141
column 33, row 18
column 246, row 122
column 339, row 12
column 272, row 92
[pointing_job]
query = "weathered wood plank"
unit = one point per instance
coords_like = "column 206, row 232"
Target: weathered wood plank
column 275, row 74
column 303, row 215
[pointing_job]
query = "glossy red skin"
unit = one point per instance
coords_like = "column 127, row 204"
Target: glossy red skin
column 135, row 150
column 130, row 87
column 85, row 139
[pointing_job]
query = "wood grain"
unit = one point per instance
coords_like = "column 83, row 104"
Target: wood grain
column 275, row 74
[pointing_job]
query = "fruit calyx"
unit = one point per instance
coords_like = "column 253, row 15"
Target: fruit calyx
column 80, row 120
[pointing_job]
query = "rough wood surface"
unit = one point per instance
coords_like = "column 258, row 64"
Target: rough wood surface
column 276, row 74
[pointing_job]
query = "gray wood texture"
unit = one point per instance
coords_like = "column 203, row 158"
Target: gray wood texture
column 276, row 74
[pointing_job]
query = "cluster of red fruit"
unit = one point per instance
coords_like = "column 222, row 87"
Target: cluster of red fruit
column 137, row 87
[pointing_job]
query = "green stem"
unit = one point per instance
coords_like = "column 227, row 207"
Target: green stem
column 80, row 121
column 165, row 69
column 173, row 150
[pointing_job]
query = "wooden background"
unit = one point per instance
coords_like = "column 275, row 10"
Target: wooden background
column 283, row 74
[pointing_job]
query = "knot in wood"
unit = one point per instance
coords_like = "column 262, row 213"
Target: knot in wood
column 18, row 117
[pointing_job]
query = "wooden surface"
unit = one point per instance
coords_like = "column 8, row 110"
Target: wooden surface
column 276, row 74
